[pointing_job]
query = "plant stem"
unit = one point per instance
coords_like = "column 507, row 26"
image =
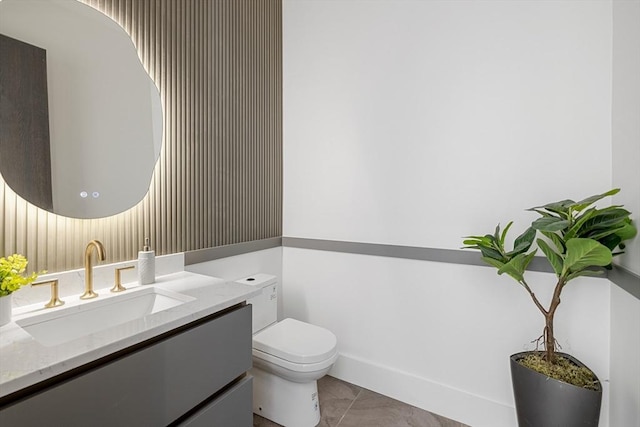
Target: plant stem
column 548, row 334
column 534, row 298
column 549, row 338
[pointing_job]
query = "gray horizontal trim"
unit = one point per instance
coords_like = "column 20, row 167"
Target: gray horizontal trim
column 451, row 256
column 626, row 279
column 622, row 277
column 210, row 254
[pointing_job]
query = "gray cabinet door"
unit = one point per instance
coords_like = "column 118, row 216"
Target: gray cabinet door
column 152, row 387
column 232, row 409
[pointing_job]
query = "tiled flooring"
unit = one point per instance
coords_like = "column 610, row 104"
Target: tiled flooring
column 346, row 405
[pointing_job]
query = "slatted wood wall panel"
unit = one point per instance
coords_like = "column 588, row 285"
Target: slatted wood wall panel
column 218, row 180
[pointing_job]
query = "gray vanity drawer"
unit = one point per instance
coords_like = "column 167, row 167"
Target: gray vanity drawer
column 232, row 409
column 153, row 386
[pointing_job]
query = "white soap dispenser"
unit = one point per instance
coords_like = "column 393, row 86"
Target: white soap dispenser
column 146, row 264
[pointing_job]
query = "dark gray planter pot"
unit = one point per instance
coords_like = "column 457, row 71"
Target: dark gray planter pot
column 545, row 402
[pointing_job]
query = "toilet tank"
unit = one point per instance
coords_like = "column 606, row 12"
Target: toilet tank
column 265, row 305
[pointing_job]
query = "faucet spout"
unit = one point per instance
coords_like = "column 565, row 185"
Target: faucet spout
column 88, row 269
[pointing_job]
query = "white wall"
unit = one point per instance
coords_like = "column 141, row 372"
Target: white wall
column 626, row 116
column 236, row 267
column 625, row 309
column 415, row 123
column 438, row 335
column 402, row 118
column 625, row 360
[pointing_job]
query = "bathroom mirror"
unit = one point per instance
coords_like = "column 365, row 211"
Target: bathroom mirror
column 105, row 113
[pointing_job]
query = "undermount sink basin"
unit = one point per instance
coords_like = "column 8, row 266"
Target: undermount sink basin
column 68, row 323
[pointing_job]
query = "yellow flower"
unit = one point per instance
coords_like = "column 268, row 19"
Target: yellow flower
column 11, row 274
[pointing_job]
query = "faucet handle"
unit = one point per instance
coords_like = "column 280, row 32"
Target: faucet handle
column 117, row 287
column 54, row 301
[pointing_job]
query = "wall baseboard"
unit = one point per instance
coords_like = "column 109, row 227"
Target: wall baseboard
column 438, row 398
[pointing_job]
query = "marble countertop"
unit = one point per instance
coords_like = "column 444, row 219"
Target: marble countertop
column 24, row 361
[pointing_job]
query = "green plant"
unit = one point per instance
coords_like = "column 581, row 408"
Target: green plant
column 581, row 240
column 11, row 274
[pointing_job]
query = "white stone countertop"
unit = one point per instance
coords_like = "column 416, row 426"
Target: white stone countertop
column 24, row 361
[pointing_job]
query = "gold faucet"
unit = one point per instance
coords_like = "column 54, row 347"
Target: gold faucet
column 117, row 286
column 55, row 301
column 88, row 269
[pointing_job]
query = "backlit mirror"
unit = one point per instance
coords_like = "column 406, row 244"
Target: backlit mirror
column 104, row 111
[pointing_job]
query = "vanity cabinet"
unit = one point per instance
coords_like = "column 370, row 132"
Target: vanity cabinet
column 193, row 376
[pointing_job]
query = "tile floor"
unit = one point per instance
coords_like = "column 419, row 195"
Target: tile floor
column 347, row 405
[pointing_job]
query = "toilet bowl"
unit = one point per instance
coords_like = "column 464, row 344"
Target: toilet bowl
column 288, row 358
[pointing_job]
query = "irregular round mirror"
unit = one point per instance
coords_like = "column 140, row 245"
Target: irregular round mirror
column 80, row 118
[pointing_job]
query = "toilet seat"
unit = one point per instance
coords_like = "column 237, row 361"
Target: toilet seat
column 296, row 345
column 286, row 369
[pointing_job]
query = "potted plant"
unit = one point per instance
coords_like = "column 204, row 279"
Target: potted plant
column 578, row 239
column 12, row 278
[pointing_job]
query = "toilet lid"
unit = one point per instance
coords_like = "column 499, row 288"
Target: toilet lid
column 296, row 341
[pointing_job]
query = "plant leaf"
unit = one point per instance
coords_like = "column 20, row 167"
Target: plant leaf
column 586, row 272
column 475, row 237
column 578, row 206
column 583, row 253
column 599, row 234
column 494, row 262
column 486, row 240
column 504, row 233
column 557, row 240
column 491, row 238
column 579, row 221
column 517, row 265
column 491, row 253
column 611, row 241
column 523, row 242
column 476, row 242
column 561, row 207
column 550, row 224
column 605, row 218
column 628, row 232
column 496, row 233
column 554, row 258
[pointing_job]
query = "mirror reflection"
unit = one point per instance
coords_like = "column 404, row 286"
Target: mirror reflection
column 104, row 111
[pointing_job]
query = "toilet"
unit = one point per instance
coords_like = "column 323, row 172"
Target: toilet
column 288, row 359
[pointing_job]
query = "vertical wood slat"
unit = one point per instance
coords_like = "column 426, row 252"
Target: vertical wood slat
column 218, row 180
